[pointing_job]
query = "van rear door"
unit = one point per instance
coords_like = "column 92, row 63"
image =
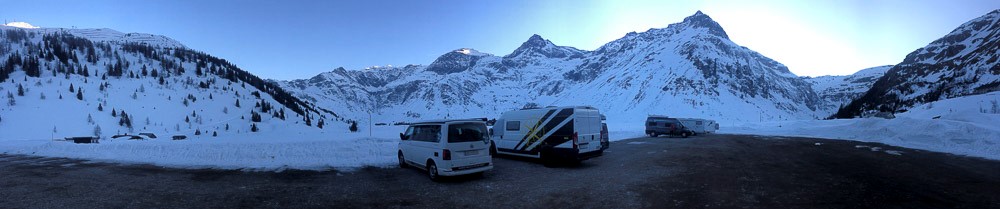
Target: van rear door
column 468, row 140
column 588, row 130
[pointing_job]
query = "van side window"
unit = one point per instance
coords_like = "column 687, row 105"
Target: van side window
column 409, row 133
column 427, row 133
column 513, row 125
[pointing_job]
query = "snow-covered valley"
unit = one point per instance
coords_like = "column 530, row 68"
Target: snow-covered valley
column 58, row 83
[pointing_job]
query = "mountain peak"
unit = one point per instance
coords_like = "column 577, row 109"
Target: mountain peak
column 701, row 20
column 538, row 45
column 536, row 41
column 20, row 25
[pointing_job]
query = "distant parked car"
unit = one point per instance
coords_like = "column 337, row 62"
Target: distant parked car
column 446, row 147
column 663, row 125
column 149, row 135
column 179, row 137
column 83, row 140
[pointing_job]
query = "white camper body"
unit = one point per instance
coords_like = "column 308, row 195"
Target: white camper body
column 572, row 132
column 711, row 127
column 698, row 125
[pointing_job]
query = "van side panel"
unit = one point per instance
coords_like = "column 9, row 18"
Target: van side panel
column 544, row 134
column 536, row 128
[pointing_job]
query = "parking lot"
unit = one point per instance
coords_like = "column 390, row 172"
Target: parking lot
column 711, row 171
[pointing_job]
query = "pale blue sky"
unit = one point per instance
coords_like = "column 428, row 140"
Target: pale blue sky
column 299, row 39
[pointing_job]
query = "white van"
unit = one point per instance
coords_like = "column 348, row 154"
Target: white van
column 446, row 147
column 553, row 133
column 699, row 126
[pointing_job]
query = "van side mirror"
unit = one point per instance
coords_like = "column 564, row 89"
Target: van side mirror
column 403, row 137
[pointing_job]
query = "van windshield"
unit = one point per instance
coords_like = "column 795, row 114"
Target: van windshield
column 467, row 132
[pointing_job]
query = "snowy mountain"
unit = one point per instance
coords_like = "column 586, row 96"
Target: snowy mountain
column 840, row 90
column 964, row 62
column 73, row 82
column 688, row 69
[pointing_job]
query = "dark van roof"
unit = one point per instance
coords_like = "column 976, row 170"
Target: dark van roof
column 449, row 120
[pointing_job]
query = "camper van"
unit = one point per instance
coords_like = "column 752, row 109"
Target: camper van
column 552, row 134
column 446, row 147
column 657, row 125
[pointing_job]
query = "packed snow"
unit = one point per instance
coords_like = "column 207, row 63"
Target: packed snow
column 265, row 151
column 963, row 126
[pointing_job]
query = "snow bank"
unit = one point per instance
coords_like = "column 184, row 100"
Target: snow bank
column 261, row 151
column 964, row 126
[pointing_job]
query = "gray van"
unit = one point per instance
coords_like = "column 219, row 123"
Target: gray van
column 663, row 125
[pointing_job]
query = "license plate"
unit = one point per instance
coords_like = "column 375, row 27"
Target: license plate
column 584, row 146
column 470, row 153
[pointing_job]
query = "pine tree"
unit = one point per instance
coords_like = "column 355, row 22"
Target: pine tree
column 114, row 113
column 320, row 124
column 197, row 132
column 237, row 102
column 187, row 119
column 253, row 127
column 71, row 89
column 227, row 126
column 79, row 94
column 354, row 126
column 254, row 116
column 97, row 131
column 214, row 133
column 10, row 99
column 20, row 90
column 100, row 107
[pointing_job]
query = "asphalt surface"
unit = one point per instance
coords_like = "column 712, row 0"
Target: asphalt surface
column 712, row 171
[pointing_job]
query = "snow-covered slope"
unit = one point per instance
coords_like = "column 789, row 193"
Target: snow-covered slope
column 839, row 90
column 71, row 82
column 113, row 37
column 688, row 69
column 964, row 125
column 961, row 63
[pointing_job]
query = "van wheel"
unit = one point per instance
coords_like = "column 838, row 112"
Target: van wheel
column 432, row 171
column 402, row 161
column 684, row 134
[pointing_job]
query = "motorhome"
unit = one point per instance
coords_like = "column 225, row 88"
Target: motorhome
column 552, row 134
column 699, row 126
